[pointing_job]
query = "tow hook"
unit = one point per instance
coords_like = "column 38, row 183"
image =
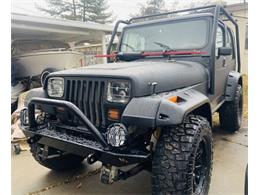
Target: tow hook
column 92, row 158
column 108, row 174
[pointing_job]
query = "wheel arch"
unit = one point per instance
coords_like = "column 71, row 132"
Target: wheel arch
column 194, row 102
column 204, row 111
column 158, row 111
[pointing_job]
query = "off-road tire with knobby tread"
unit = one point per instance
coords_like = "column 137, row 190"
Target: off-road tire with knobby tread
column 174, row 159
column 246, row 181
column 59, row 163
column 230, row 114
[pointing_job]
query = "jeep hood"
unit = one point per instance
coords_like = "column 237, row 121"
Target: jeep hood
column 169, row 75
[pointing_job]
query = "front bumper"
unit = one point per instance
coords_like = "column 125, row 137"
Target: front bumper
column 75, row 144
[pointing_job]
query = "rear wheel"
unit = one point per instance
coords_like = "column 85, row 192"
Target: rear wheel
column 230, row 114
column 182, row 161
column 55, row 161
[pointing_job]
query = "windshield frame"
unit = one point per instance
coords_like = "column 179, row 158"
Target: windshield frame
column 208, row 32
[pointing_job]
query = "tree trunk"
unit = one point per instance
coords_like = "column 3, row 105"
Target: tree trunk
column 74, row 9
column 84, row 11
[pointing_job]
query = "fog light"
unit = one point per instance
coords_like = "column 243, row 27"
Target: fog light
column 116, row 135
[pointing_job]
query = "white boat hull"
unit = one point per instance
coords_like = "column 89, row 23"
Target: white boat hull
column 32, row 64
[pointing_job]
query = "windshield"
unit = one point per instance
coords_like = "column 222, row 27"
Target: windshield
column 179, row 35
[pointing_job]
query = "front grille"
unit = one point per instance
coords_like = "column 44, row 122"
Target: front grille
column 88, row 96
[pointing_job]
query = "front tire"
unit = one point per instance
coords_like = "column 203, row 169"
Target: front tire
column 182, row 162
column 230, row 114
column 57, row 162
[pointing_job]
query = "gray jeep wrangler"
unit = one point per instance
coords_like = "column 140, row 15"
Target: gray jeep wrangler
column 151, row 108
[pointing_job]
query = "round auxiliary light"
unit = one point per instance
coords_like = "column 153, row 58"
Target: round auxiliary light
column 116, row 135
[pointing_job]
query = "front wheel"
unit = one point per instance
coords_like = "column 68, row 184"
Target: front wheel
column 182, row 162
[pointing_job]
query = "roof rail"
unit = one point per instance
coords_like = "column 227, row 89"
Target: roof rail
column 173, row 12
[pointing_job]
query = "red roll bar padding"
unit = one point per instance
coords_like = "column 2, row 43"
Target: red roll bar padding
column 157, row 53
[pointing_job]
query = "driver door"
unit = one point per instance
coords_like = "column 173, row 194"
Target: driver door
column 220, row 65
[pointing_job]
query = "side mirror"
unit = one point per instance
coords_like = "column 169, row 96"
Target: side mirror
column 224, row 51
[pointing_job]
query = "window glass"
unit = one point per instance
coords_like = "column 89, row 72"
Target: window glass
column 172, row 35
column 230, row 42
column 219, row 38
column 246, row 40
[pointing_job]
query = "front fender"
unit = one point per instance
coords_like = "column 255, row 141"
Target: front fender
column 156, row 110
column 174, row 113
column 141, row 111
column 33, row 93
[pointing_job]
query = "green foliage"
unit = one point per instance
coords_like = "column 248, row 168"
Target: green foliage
column 97, row 12
column 158, row 6
column 84, row 10
column 200, row 3
column 151, row 7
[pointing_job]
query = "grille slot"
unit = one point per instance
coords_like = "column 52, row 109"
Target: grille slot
column 88, row 96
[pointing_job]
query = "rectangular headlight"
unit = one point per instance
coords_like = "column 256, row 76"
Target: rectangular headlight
column 118, row 91
column 55, row 87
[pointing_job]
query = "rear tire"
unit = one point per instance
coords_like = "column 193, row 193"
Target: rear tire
column 59, row 163
column 182, row 162
column 230, row 114
column 246, row 181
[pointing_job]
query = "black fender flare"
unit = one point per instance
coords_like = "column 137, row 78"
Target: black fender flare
column 33, row 93
column 157, row 111
column 234, row 78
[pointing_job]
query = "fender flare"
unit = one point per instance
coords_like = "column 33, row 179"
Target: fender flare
column 234, row 78
column 157, row 110
column 37, row 92
column 174, row 113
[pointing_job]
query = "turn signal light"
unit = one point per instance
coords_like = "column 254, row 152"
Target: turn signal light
column 113, row 114
column 173, row 99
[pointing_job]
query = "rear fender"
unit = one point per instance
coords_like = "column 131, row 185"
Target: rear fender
column 234, row 78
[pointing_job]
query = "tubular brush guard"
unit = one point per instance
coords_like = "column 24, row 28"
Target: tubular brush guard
column 47, row 135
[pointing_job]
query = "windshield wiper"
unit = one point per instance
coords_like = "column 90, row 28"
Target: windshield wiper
column 166, row 47
column 129, row 46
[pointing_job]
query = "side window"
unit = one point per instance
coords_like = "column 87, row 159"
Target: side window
column 246, row 39
column 219, row 38
column 230, row 42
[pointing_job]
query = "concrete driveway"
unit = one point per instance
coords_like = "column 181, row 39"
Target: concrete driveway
column 230, row 159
